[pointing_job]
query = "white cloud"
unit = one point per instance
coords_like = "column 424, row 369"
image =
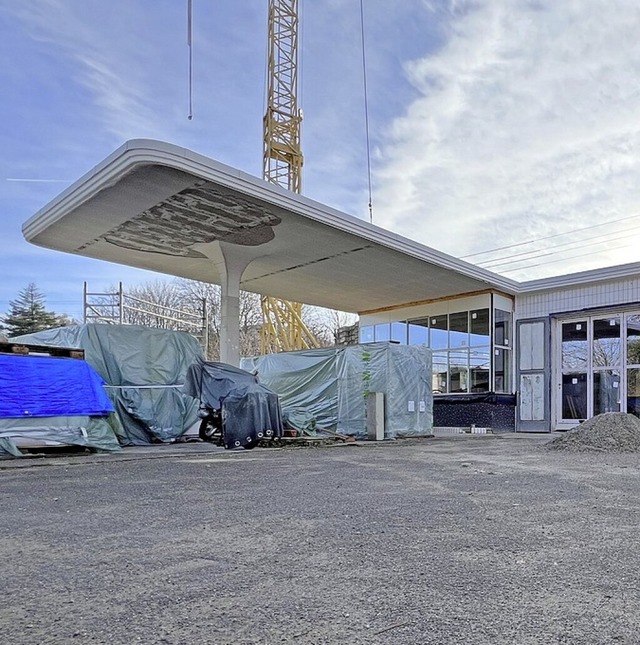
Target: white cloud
column 108, row 59
column 526, row 126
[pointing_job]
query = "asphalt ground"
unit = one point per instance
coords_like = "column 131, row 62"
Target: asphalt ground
column 483, row 539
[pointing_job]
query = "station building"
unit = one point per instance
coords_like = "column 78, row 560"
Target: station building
column 554, row 353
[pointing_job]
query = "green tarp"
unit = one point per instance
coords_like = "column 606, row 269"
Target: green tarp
column 332, row 385
column 144, row 370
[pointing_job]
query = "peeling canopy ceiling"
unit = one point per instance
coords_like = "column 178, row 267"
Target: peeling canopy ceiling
column 156, row 206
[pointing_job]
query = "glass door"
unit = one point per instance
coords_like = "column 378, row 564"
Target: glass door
column 574, row 361
column 592, row 367
column 632, row 362
column 606, row 361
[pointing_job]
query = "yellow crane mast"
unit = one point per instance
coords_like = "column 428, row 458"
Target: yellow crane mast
column 282, row 326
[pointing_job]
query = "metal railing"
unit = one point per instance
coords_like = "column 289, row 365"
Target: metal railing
column 120, row 308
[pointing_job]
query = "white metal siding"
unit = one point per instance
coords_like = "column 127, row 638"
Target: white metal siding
column 610, row 293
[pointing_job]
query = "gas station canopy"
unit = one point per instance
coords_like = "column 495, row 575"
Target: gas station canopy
column 157, row 206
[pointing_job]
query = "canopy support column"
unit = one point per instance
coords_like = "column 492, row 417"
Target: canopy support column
column 231, row 266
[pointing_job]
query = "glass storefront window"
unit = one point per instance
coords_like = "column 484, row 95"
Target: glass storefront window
column 470, row 365
column 502, row 370
column 439, row 333
column 459, row 371
column 479, row 328
column 366, row 334
column 383, row 332
column 399, row 332
column 480, row 370
column 574, row 346
column 600, row 368
column 633, row 391
column 502, row 327
column 439, row 375
column 419, row 332
column 606, row 342
column 606, row 391
column 574, row 396
column 459, row 329
column 633, row 339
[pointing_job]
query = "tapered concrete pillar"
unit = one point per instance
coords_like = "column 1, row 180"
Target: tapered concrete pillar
column 230, row 319
column 231, row 262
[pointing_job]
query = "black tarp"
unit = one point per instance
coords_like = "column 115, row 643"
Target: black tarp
column 250, row 411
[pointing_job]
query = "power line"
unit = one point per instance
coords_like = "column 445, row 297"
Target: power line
column 548, row 237
column 569, row 257
column 532, row 254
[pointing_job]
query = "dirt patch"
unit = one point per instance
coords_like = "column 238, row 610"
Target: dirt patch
column 608, row 432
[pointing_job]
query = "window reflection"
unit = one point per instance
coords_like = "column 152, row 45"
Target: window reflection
column 502, row 327
column 574, row 396
column 606, row 342
column 467, row 335
column 366, row 334
column 606, row 391
column 458, row 371
column 480, row 370
column 633, row 391
column 399, row 332
column 633, row 340
column 383, row 332
column 439, row 332
column 459, row 329
column 574, row 346
column 419, row 332
column 479, row 328
column 439, row 377
column 502, row 370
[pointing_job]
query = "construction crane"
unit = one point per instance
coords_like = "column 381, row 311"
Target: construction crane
column 282, row 326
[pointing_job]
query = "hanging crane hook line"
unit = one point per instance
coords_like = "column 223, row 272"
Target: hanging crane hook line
column 189, row 35
column 366, row 107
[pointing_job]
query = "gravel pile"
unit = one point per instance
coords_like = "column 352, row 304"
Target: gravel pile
column 608, row 432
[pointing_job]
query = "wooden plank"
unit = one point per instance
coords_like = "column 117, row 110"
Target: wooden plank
column 25, row 349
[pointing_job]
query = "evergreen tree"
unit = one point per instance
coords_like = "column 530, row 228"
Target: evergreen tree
column 28, row 314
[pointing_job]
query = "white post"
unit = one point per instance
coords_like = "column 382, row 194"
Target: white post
column 231, row 263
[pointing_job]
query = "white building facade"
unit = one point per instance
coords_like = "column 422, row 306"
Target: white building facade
column 557, row 352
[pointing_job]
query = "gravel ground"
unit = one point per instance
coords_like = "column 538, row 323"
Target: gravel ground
column 485, row 539
column 608, row 432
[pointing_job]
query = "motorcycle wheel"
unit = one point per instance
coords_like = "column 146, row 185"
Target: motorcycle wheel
column 207, row 430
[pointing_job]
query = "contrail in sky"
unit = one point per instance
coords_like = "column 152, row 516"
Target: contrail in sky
column 45, row 181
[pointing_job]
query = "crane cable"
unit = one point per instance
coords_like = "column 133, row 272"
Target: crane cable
column 189, row 43
column 366, row 107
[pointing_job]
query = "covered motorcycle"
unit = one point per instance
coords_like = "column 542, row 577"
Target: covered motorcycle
column 236, row 410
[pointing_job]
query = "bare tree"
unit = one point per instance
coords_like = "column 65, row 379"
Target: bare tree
column 178, row 305
column 324, row 323
column 194, row 292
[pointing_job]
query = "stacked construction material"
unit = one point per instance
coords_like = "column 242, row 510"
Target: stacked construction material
column 51, row 399
column 144, row 370
column 333, row 383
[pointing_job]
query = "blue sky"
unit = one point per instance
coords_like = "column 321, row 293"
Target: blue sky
column 494, row 123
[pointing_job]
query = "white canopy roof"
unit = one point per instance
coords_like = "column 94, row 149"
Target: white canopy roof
column 157, row 206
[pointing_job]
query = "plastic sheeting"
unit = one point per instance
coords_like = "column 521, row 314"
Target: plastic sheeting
column 144, row 370
column 249, row 410
column 8, row 449
column 333, row 384
column 42, row 386
column 90, row 432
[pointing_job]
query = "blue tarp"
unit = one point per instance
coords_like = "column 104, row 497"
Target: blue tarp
column 42, row 386
column 144, row 369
